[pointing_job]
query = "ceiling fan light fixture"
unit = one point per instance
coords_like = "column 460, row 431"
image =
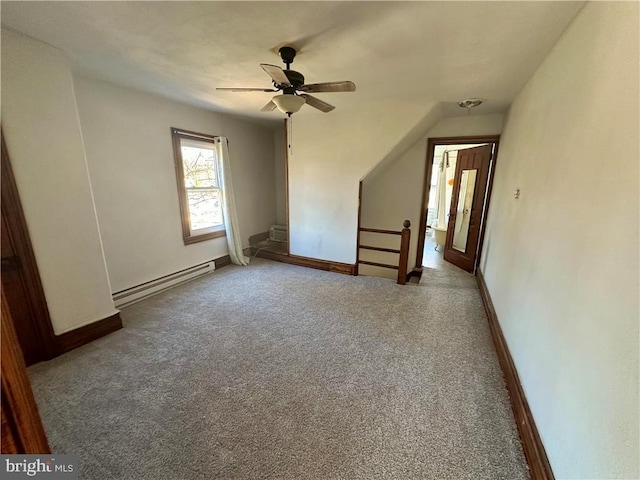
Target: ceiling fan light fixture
column 470, row 103
column 288, row 103
column 290, row 82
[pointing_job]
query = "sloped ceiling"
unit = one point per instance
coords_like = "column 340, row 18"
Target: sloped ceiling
column 393, row 51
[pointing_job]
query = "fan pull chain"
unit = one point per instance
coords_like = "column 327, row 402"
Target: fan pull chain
column 290, row 135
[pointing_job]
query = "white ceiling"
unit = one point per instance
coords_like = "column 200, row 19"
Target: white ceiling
column 395, row 52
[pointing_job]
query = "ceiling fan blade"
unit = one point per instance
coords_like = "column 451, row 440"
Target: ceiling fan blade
column 268, row 107
column 234, row 89
column 346, row 86
column 276, row 73
column 317, row 103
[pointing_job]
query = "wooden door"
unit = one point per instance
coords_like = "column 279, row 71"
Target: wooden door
column 20, row 279
column 13, row 285
column 467, row 206
column 22, row 430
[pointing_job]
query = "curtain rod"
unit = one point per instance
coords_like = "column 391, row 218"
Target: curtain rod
column 190, row 134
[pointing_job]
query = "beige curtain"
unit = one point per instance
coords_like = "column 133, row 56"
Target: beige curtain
column 234, row 240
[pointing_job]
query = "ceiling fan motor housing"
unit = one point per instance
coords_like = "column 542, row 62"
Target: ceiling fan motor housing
column 296, row 78
column 287, row 54
column 289, row 82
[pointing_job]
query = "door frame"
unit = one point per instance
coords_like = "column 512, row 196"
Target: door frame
column 286, row 181
column 22, row 430
column 432, row 143
column 47, row 342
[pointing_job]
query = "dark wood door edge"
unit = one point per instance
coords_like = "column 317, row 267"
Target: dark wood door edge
column 22, row 430
column 539, row 467
column 83, row 335
column 18, row 227
column 487, row 201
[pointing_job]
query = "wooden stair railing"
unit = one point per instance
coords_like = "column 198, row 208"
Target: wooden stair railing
column 405, row 238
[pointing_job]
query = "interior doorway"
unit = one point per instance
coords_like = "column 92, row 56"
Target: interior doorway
column 455, row 201
column 274, row 244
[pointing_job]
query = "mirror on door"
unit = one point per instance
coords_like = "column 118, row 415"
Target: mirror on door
column 463, row 209
column 455, row 196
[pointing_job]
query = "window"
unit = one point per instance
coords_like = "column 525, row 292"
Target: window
column 199, row 187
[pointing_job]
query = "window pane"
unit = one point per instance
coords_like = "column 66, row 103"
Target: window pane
column 198, row 164
column 205, row 208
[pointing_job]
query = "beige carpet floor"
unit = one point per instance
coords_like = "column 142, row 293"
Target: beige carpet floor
column 274, row 371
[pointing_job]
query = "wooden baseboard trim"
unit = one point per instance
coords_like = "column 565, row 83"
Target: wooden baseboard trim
column 258, row 237
column 222, row 261
column 344, row 268
column 83, row 335
column 539, row 467
column 416, row 272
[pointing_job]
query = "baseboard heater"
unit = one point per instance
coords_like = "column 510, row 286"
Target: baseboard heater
column 134, row 294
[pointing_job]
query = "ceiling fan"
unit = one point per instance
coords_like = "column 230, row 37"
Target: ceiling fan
column 290, row 83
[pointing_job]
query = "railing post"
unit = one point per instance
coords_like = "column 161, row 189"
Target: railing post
column 405, row 239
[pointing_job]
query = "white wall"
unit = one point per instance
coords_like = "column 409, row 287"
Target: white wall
column 561, row 263
column 393, row 193
column 129, row 152
column 331, row 153
column 468, row 125
column 387, row 200
column 44, row 139
column 280, row 147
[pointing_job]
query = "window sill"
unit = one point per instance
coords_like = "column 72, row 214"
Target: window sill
column 204, row 237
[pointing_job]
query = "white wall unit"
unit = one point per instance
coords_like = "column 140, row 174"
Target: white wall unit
column 44, row 139
column 561, row 262
column 129, row 152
